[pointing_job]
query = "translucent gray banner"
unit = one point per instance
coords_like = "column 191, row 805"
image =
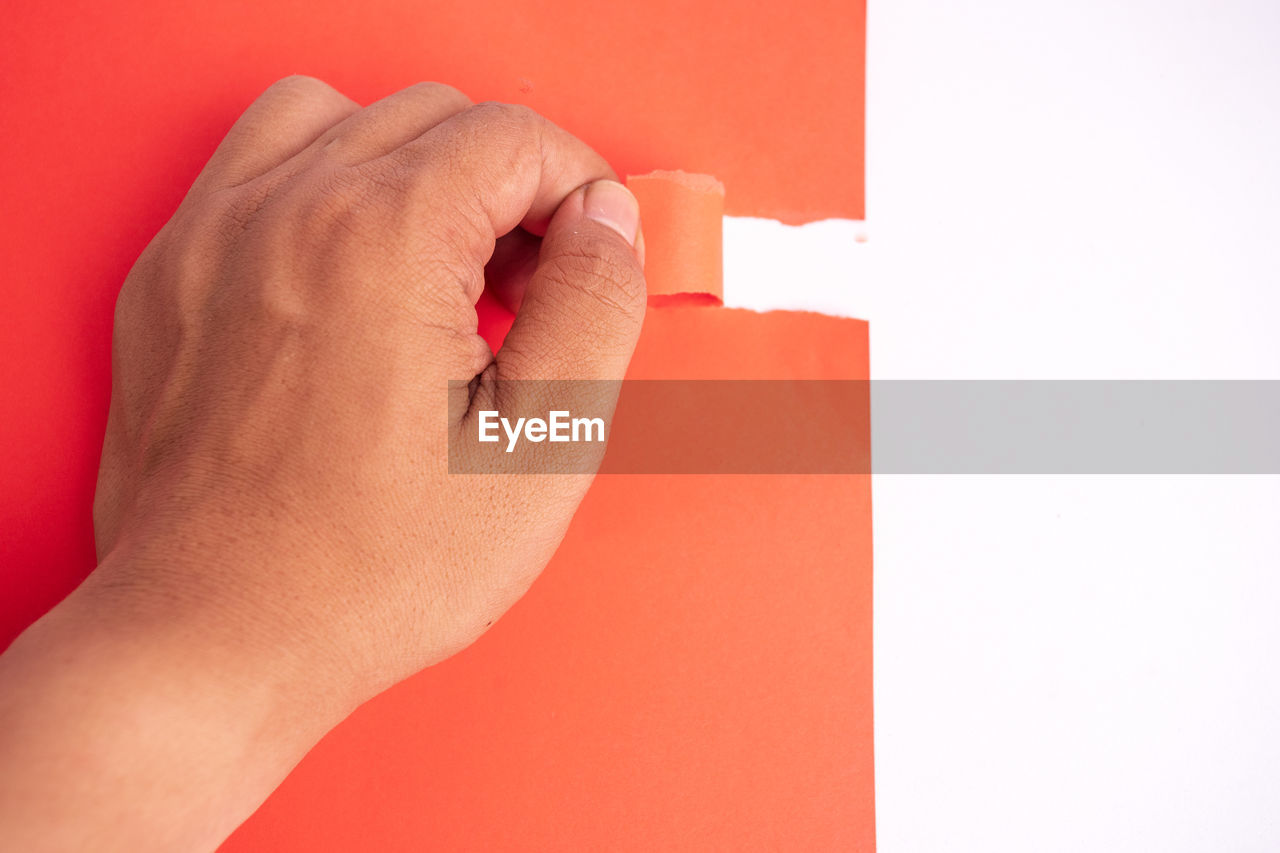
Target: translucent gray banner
column 882, row 427
column 1075, row 427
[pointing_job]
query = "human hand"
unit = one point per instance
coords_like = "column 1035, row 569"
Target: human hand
column 282, row 357
column 274, row 501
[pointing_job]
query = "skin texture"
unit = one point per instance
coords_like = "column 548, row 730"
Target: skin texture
column 278, row 533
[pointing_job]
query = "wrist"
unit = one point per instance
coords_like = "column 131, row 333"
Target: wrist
column 241, row 612
column 153, row 727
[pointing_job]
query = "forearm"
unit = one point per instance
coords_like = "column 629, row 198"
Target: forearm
column 129, row 728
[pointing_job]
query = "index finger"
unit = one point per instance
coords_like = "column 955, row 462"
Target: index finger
column 502, row 165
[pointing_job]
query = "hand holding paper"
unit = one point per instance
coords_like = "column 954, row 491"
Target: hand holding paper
column 278, row 534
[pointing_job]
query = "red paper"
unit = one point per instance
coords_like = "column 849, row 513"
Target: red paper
column 693, row 670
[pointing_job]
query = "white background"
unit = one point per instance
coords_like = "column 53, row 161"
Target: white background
column 1065, row 190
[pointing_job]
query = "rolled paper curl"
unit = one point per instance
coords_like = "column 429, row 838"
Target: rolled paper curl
column 682, row 219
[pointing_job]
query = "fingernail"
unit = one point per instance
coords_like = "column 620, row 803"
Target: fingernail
column 612, row 204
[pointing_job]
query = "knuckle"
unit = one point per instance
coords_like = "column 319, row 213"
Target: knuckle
column 304, row 88
column 514, row 116
column 441, row 91
column 510, row 138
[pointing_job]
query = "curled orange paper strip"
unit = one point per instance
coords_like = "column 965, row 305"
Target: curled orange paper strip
column 682, row 218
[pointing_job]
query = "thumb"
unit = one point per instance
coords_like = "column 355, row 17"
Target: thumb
column 584, row 305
